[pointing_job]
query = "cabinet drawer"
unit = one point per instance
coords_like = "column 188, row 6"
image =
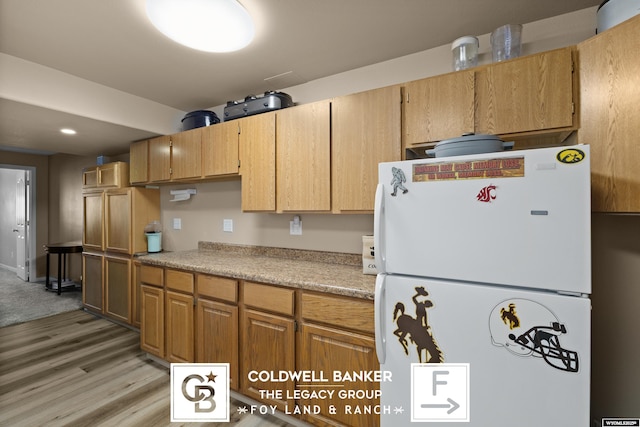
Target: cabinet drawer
column 269, row 298
column 151, row 275
column 217, row 287
column 179, row 281
column 342, row 312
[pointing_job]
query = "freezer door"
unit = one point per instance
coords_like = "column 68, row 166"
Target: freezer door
column 519, row 218
column 528, row 352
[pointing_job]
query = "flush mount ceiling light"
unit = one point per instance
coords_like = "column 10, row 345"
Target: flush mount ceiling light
column 208, row 25
column 68, row 131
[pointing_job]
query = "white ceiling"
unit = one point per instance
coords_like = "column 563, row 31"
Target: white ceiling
column 113, row 45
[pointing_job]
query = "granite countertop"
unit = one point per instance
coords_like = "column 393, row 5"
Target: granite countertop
column 330, row 272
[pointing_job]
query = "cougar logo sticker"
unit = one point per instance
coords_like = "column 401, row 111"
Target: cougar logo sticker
column 487, row 194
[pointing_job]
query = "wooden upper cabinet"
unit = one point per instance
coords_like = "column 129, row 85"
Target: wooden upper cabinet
column 220, row 149
column 258, row 162
column 439, row 107
column 109, row 175
column 126, row 212
column 526, row 94
column 117, row 221
column 93, row 214
column 610, row 124
column 186, row 154
column 139, row 162
column 176, row 157
column 160, row 159
column 303, row 153
column 365, row 131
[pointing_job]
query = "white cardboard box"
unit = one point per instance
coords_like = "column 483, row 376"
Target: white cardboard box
column 368, row 256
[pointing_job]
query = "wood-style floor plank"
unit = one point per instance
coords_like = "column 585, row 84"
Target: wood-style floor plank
column 75, row 369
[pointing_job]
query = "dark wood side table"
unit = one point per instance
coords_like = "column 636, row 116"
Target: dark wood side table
column 61, row 249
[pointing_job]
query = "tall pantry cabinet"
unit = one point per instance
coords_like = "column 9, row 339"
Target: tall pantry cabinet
column 114, row 221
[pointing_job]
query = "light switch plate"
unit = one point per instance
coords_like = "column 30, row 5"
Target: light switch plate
column 227, row 225
column 295, row 227
column 177, row 223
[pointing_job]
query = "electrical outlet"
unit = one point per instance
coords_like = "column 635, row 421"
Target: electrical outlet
column 177, row 223
column 295, row 226
column 227, row 225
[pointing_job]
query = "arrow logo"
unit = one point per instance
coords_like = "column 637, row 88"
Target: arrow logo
column 452, row 405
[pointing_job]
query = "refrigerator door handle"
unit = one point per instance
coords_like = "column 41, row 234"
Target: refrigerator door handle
column 378, row 230
column 379, row 317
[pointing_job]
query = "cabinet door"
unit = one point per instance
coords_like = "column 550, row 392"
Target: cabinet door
column 526, row 94
column 267, row 345
column 160, row 159
column 152, row 320
column 303, row 152
column 328, row 350
column 113, row 175
column 139, row 162
column 439, row 107
column 117, row 221
column 186, row 154
column 220, row 149
column 217, row 336
column 135, row 294
column 179, row 327
column 90, row 178
column 258, row 162
column 366, row 131
column 609, row 100
column 117, row 284
column 92, row 283
column 92, row 237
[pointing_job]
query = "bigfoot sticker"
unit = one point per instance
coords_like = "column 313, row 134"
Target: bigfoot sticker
column 398, row 180
column 417, row 329
column 527, row 328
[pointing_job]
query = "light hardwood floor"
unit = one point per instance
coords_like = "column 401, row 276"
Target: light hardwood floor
column 75, row 369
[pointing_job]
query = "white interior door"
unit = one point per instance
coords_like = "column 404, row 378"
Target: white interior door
column 21, row 226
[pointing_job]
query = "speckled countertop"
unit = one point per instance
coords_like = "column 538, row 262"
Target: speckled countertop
column 335, row 273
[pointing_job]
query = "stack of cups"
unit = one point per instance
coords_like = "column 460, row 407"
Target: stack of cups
column 505, row 42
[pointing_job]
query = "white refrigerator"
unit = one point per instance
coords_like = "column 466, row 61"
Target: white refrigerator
column 484, row 269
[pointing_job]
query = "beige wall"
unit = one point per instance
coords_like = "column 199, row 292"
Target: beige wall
column 202, row 217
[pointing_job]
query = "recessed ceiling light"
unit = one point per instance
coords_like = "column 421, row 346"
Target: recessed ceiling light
column 207, row 25
column 68, row 131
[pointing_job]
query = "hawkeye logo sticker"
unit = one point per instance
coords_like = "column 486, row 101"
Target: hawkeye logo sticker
column 487, row 194
column 570, row 155
column 527, row 328
column 417, row 328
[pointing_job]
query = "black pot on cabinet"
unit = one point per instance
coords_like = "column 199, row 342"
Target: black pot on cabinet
column 198, row 119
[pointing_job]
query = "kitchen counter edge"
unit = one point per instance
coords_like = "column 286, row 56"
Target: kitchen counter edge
column 298, row 271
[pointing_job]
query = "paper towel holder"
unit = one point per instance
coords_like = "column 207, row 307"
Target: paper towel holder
column 180, row 195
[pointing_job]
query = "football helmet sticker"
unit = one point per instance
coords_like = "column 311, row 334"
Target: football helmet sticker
column 527, row 328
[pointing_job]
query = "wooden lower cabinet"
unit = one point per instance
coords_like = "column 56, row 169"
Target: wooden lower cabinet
column 117, row 286
column 92, row 281
column 152, row 320
column 263, row 331
column 179, row 327
column 328, row 349
column 217, row 336
column 268, row 344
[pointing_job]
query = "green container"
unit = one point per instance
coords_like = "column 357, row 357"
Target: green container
column 154, row 242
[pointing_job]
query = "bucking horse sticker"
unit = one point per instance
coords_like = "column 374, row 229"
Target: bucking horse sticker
column 417, row 329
